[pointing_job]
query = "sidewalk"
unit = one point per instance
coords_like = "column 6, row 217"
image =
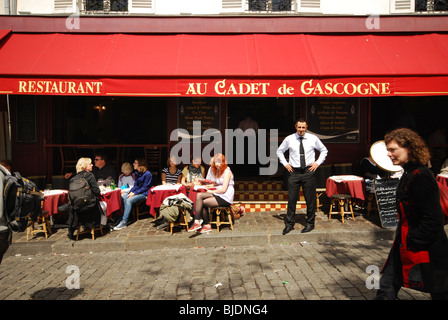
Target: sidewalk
column 254, row 228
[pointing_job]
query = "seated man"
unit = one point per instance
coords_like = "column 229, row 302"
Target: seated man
column 102, row 170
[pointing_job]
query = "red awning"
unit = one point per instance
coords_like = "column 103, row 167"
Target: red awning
column 224, row 65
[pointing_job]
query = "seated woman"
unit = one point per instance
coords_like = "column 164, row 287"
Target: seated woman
column 192, row 172
column 222, row 196
column 137, row 193
column 171, row 174
column 91, row 217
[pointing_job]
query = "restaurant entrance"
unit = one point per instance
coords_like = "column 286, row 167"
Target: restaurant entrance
column 259, row 114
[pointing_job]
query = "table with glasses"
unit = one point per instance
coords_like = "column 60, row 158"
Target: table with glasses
column 113, row 201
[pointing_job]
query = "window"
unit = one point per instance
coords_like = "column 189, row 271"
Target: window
column 118, row 5
column 431, row 5
column 441, row 5
column 106, row 5
column 269, row 5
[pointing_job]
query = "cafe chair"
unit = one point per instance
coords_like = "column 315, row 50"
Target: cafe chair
column 89, row 230
column 69, row 158
column 341, row 200
column 153, row 157
column 218, row 217
column 40, row 219
column 139, row 209
column 181, row 221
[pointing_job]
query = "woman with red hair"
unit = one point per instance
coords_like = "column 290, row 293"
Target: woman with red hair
column 222, row 196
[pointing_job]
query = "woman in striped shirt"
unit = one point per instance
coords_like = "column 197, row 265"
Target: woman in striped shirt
column 171, row 174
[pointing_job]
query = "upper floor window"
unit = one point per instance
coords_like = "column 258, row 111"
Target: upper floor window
column 106, row 5
column 269, row 5
column 431, row 5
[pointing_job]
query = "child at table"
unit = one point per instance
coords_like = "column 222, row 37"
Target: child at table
column 126, row 179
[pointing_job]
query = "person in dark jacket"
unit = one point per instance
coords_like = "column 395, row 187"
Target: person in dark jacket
column 89, row 218
column 138, row 192
column 419, row 256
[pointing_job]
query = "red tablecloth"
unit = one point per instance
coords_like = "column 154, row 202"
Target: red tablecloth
column 113, row 201
column 345, row 185
column 156, row 197
column 442, row 180
column 443, row 187
column 53, row 200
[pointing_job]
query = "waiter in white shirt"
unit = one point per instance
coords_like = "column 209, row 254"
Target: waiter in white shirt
column 301, row 167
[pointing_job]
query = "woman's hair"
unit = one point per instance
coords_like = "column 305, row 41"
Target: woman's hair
column 126, row 167
column 142, row 166
column 82, row 164
column 223, row 165
column 418, row 151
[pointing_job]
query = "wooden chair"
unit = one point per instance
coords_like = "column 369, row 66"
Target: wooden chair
column 41, row 219
column 69, row 158
column 139, row 209
column 153, row 157
column 91, row 231
column 340, row 200
column 218, row 217
column 182, row 220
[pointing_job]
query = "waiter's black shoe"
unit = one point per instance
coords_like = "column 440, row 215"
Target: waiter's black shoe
column 287, row 229
column 308, row 228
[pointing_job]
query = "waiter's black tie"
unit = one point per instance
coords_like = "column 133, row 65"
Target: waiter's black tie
column 302, row 154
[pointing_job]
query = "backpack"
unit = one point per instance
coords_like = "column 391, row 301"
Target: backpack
column 22, row 200
column 80, row 194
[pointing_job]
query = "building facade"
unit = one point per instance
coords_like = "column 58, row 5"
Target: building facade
column 77, row 76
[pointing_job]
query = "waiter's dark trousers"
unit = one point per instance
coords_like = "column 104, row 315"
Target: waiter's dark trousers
column 306, row 179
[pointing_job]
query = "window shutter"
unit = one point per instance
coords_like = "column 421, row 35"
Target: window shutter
column 141, row 6
column 402, row 6
column 64, row 6
column 308, row 6
column 232, row 6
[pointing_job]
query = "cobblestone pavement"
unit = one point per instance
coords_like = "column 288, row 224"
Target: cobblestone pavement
column 291, row 271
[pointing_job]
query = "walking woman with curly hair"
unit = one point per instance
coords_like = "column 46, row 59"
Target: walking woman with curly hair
column 419, row 256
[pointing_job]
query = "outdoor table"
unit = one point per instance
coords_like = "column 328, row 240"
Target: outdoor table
column 347, row 184
column 442, row 179
column 157, row 194
column 113, row 201
column 53, row 199
column 196, row 189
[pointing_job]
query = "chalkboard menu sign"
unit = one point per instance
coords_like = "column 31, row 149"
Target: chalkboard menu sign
column 385, row 191
column 203, row 111
column 334, row 120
